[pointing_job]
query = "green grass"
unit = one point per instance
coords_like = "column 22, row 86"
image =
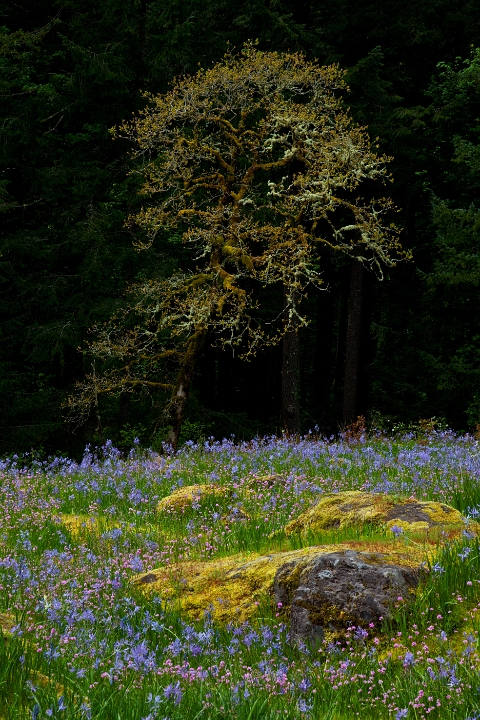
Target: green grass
column 89, row 661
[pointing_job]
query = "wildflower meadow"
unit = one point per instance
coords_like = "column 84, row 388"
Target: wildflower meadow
column 80, row 639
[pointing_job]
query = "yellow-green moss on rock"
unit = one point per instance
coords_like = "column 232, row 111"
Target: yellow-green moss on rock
column 185, row 497
column 231, row 585
column 7, row 621
column 235, row 585
column 337, row 510
column 82, row 526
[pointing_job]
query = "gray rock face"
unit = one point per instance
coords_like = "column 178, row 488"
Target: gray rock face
column 336, row 589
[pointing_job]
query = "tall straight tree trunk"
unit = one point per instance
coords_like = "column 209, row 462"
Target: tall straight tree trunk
column 181, row 391
column 98, row 417
column 323, row 376
column 123, row 409
column 290, row 380
column 353, row 344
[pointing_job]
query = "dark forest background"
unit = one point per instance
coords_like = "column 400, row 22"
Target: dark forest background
column 70, row 70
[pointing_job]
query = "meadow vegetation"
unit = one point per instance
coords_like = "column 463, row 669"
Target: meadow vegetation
column 81, row 638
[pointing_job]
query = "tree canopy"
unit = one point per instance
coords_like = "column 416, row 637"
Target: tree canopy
column 257, row 165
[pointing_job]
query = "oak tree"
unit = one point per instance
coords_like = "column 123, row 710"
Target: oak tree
column 256, row 164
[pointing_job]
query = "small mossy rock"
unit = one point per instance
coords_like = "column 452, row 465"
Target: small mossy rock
column 256, row 481
column 186, row 497
column 80, row 524
column 354, row 507
column 417, row 515
column 7, row 622
column 235, row 515
column 83, row 525
column 340, row 588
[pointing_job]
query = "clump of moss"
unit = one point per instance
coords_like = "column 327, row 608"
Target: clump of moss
column 7, row 621
column 80, row 524
column 83, row 525
column 186, row 497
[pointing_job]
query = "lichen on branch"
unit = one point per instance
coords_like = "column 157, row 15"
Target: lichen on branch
column 257, row 165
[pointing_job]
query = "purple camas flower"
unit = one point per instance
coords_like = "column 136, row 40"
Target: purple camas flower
column 304, row 684
column 304, row 706
column 401, row 714
column 136, row 564
column 175, row 692
column 396, row 530
column 361, row 634
column 409, row 659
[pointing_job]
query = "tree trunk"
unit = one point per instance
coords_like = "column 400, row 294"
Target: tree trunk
column 353, row 344
column 98, row 417
column 323, row 376
column 181, row 392
column 291, row 381
column 123, row 409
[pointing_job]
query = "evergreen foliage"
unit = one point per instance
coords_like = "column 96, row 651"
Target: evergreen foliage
column 71, row 70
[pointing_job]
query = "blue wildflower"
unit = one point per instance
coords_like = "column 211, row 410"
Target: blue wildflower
column 361, row 634
column 304, row 684
column 409, row 659
column 175, row 692
column 304, row 706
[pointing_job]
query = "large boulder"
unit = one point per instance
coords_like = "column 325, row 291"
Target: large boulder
column 353, row 507
column 319, row 590
column 233, row 585
column 335, row 589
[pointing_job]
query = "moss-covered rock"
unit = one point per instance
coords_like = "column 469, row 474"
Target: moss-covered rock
column 337, row 510
column 339, row 588
column 80, row 524
column 234, row 586
column 188, row 496
column 424, row 514
column 7, row 621
column 83, row 526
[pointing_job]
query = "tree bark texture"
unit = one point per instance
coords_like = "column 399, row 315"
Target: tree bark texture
column 291, row 381
column 181, row 391
column 323, row 376
column 353, row 344
column 98, row 417
column 124, row 409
